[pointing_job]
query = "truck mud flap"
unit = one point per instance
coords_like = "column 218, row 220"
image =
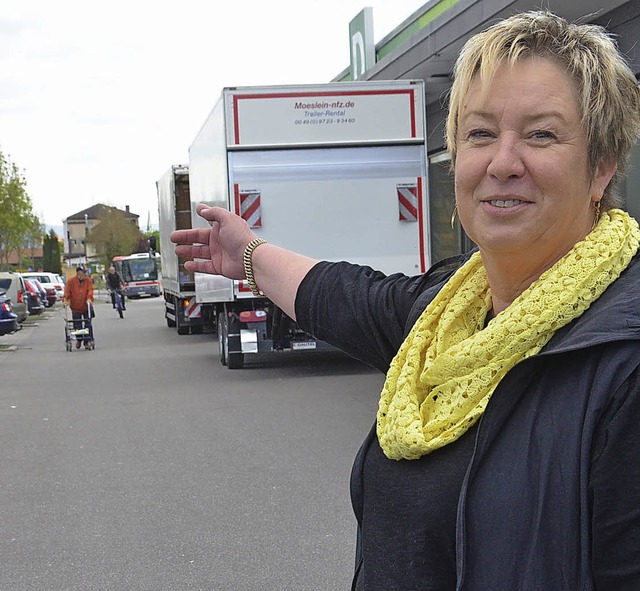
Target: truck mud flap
column 170, row 312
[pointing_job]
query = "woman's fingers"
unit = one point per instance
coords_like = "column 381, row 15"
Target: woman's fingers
column 209, row 213
column 192, row 236
column 217, row 249
column 201, row 267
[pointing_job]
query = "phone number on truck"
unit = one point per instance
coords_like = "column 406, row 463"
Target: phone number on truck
column 328, row 121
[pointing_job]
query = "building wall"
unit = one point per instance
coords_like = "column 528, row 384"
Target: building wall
column 624, row 23
column 76, row 232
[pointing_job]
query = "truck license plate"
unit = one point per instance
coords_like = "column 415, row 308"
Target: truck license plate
column 299, row 345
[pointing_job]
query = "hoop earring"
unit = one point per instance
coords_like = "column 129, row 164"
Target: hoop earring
column 596, row 205
column 454, row 215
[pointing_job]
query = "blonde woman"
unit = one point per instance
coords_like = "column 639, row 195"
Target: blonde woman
column 506, row 450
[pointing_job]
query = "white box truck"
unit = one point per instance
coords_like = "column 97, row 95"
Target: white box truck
column 334, row 171
column 182, row 311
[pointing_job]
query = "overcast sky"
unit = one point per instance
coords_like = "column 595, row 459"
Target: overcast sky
column 97, row 100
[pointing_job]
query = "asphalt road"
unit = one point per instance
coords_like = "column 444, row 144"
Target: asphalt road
column 147, row 465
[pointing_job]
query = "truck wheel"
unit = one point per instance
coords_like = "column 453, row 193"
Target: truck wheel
column 222, row 339
column 234, row 360
column 180, row 326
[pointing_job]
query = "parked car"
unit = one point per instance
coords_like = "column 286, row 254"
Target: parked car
column 8, row 320
column 47, row 290
column 13, row 285
column 34, row 301
column 41, row 289
column 48, row 279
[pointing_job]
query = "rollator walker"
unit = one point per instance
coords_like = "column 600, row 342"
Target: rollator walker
column 79, row 330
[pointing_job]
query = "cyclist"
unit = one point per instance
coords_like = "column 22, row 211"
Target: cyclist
column 115, row 285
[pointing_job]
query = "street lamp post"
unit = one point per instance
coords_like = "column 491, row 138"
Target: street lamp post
column 86, row 231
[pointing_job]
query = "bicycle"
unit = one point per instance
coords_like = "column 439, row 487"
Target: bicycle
column 118, row 301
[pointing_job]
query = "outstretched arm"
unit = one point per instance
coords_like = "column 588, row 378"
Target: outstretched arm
column 219, row 250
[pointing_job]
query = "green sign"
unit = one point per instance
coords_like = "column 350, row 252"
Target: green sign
column 362, row 46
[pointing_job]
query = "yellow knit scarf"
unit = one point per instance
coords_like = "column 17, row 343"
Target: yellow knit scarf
column 444, row 373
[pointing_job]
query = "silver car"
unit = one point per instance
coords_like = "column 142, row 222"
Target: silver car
column 14, row 285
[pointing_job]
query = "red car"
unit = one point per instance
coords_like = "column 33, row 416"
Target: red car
column 50, row 297
column 34, row 302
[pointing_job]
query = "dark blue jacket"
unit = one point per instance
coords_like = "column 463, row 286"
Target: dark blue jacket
column 551, row 498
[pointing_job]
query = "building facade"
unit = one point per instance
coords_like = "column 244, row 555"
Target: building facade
column 76, row 227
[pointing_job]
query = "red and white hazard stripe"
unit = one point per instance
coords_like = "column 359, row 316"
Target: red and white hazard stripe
column 408, row 202
column 250, row 209
column 194, row 309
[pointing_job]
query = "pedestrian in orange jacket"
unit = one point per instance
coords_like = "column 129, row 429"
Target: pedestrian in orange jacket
column 78, row 292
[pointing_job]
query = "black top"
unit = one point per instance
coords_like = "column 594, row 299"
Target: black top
column 550, row 497
column 114, row 280
column 409, row 540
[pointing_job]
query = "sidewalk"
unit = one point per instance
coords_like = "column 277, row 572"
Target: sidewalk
column 17, row 340
column 20, row 340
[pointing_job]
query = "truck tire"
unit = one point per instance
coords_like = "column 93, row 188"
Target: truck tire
column 235, row 360
column 231, row 360
column 222, row 339
column 181, row 327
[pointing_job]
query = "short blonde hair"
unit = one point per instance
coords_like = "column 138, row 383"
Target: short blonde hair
column 607, row 90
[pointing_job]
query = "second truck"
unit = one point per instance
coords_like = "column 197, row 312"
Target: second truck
column 182, row 311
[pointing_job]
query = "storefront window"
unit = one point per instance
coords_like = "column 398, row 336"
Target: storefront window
column 445, row 240
column 630, row 187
